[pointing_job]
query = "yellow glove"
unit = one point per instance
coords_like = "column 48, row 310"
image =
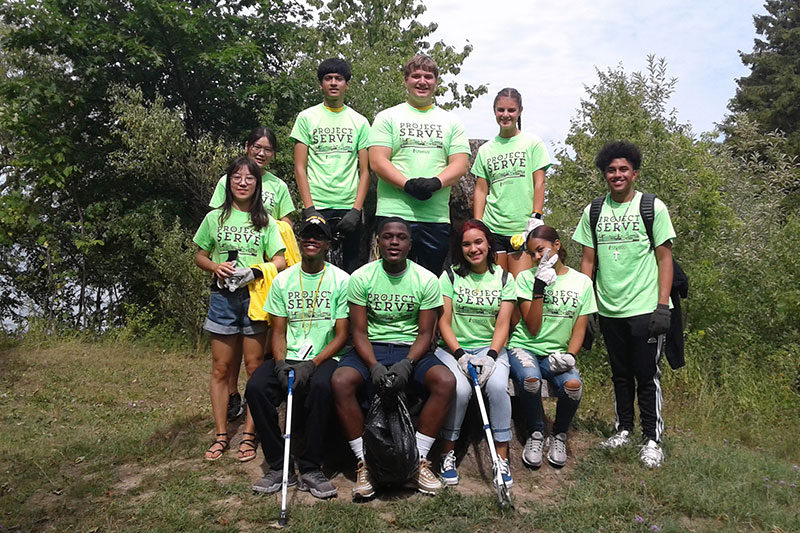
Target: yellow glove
column 517, row 241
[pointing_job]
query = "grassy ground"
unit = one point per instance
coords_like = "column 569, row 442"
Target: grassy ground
column 110, row 436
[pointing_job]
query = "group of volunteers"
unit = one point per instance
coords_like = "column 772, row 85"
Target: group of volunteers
column 507, row 305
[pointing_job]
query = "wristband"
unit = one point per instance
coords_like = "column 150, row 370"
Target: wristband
column 537, row 215
column 492, row 354
column 663, row 306
column 256, row 272
column 458, row 353
column 412, row 361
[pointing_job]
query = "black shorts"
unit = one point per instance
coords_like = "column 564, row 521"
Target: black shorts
column 502, row 244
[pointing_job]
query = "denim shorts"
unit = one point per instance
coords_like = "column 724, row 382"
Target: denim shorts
column 227, row 314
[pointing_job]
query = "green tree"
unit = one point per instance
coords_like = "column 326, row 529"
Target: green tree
column 770, row 94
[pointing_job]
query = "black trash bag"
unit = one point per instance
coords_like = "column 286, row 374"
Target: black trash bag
column 390, row 443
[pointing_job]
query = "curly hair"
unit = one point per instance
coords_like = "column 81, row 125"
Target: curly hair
column 618, row 150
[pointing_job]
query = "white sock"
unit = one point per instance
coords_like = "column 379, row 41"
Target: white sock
column 357, row 445
column 424, row 444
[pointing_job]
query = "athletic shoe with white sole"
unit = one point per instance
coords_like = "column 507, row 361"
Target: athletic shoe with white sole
column 621, row 438
column 317, row 484
column 651, row 454
column 236, row 406
column 448, row 471
column 532, row 454
column 272, row 481
column 505, row 471
column 363, row 489
column 424, row 480
column 557, row 452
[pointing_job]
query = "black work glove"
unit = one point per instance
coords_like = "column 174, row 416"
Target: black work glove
column 402, row 371
column 282, row 372
column 302, row 373
column 349, row 222
column 415, row 188
column 659, row 321
column 430, row 185
column 376, row 373
column 310, row 211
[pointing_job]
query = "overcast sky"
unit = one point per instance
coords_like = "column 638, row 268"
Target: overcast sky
column 549, row 50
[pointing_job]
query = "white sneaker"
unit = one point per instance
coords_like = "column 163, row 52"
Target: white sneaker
column 505, row 472
column 557, row 454
column 616, row 440
column 651, row 454
column 532, row 454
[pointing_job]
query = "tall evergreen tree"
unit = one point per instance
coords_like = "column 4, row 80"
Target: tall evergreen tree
column 770, row 94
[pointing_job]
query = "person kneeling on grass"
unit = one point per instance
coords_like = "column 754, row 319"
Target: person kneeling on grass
column 478, row 303
column 308, row 309
column 554, row 303
column 393, row 307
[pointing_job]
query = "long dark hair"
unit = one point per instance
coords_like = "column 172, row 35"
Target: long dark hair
column 510, row 92
column 460, row 263
column 549, row 233
column 258, row 215
column 262, row 131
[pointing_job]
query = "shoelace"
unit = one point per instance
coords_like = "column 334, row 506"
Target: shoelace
column 449, row 461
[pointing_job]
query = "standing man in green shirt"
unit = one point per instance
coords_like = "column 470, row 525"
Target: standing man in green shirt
column 633, row 284
column 331, row 164
column 418, row 151
column 307, row 304
column 393, row 307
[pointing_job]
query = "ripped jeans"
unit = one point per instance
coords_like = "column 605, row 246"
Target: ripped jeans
column 526, row 365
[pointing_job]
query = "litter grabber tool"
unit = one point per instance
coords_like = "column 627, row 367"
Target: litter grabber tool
column 503, row 494
column 287, row 441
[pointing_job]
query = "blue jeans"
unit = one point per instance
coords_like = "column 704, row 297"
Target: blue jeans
column 227, row 314
column 496, row 388
column 526, row 364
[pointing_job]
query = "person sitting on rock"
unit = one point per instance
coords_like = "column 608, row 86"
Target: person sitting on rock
column 393, row 308
column 307, row 304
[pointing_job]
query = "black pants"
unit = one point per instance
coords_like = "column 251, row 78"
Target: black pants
column 350, row 242
column 312, row 408
column 634, row 371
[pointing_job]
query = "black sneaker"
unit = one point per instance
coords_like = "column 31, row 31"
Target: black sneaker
column 235, row 406
column 317, row 484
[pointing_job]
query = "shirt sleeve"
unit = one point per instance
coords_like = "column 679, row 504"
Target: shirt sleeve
column 300, row 130
column 588, row 301
column 523, row 288
column 662, row 224
column 283, row 204
column 459, row 143
column 273, row 243
column 538, row 156
column 362, row 139
column 508, row 289
column 445, row 286
column 382, row 132
column 356, row 292
column 218, row 198
column 479, row 166
column 276, row 299
column 431, row 293
column 203, row 237
column 341, row 309
column 583, row 231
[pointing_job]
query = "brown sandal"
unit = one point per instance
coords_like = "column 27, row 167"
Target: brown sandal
column 249, row 453
column 217, row 447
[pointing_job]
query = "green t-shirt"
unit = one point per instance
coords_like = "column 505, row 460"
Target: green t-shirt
column 237, row 233
column 311, row 304
column 508, row 165
column 393, row 302
column 274, row 193
column 421, row 143
column 627, row 273
column 564, row 301
column 476, row 302
column 333, row 141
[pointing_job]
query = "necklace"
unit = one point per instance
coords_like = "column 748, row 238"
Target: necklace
column 307, row 329
column 614, row 213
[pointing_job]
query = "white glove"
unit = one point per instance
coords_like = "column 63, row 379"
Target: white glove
column 532, row 224
column 462, row 364
column 561, row 362
column 545, row 270
column 484, row 366
column 240, row 278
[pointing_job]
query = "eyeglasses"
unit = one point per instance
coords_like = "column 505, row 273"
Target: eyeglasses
column 240, row 179
column 262, row 149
